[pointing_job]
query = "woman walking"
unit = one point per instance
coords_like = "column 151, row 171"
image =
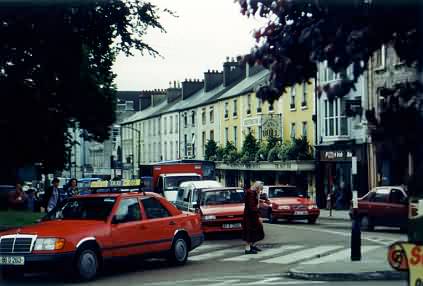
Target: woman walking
column 252, row 229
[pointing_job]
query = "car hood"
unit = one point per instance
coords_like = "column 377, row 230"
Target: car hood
column 226, row 209
column 60, row 228
column 291, row 201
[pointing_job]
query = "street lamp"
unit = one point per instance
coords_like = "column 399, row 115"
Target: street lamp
column 139, row 143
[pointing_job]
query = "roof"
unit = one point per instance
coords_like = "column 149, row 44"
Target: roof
column 180, row 174
column 222, row 189
column 279, row 186
column 115, row 195
column 130, row 96
column 202, row 184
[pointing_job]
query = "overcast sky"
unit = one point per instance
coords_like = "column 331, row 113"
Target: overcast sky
column 204, row 34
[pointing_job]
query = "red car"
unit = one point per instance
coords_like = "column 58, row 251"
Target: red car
column 85, row 231
column 285, row 202
column 221, row 209
column 384, row 206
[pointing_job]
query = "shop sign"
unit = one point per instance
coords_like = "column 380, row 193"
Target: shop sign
column 271, row 127
column 336, row 155
column 253, row 121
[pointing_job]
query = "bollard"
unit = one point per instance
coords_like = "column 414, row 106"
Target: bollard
column 356, row 237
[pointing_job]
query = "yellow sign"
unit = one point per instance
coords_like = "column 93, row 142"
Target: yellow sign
column 131, row 183
column 99, row 184
column 405, row 256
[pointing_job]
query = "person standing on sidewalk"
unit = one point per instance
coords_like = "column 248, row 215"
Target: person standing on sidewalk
column 72, row 189
column 252, row 228
column 52, row 195
column 18, row 198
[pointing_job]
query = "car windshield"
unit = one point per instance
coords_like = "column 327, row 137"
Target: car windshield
column 174, row 182
column 83, row 209
column 222, row 197
column 283, row 192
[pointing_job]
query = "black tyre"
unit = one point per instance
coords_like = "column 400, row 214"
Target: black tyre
column 366, row 223
column 86, row 264
column 312, row 220
column 271, row 218
column 179, row 252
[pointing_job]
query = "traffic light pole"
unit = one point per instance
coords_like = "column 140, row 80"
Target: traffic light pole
column 356, row 220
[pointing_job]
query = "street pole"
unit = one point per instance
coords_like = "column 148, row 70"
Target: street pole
column 356, row 228
column 139, row 149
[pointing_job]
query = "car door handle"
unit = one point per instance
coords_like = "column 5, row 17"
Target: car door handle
column 172, row 223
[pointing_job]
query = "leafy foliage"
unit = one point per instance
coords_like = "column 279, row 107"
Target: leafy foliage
column 56, row 72
column 230, row 154
column 249, row 149
column 211, row 150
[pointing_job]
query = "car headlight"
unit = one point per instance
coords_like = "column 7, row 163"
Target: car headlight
column 209, row 217
column 310, row 207
column 284, row 207
column 49, row 244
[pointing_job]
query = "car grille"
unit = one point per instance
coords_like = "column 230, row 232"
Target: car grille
column 16, row 244
column 299, row 207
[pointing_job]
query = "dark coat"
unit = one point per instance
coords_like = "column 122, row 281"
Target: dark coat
column 252, row 228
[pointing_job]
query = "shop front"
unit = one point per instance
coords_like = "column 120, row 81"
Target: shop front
column 333, row 173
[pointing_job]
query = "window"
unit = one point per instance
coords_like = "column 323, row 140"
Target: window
column 154, row 209
column 203, row 141
column 292, row 131
column 304, row 133
column 186, row 144
column 203, row 116
column 193, row 144
column 259, row 104
column 176, row 123
column 129, row 210
column 226, row 135
column 176, row 150
column 304, row 99
column 226, row 109
column 211, row 114
column 397, row 197
column 171, row 151
column 164, row 125
column 185, row 120
column 292, row 105
column 249, row 104
column 165, row 151
column 235, row 136
column 158, row 126
column 336, row 121
column 380, row 196
column 235, row 113
column 211, row 134
column 171, row 124
column 380, row 58
column 193, row 118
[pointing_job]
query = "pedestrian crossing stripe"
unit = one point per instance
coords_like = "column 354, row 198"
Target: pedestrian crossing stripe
column 285, row 254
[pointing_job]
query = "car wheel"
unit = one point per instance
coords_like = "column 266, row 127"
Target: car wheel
column 87, row 265
column 312, row 220
column 271, row 218
column 366, row 223
column 179, row 251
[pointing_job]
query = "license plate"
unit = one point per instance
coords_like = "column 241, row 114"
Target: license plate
column 231, row 225
column 12, row 260
column 301, row 213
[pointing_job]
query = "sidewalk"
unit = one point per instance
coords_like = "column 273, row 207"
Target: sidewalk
column 373, row 266
column 336, row 214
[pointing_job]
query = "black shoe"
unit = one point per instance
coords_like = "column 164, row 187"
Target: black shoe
column 251, row 251
column 256, row 248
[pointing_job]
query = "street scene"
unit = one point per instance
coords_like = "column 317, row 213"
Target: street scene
column 197, row 142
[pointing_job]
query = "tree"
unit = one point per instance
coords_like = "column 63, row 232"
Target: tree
column 211, row 150
column 302, row 33
column 230, row 153
column 56, row 73
column 249, row 149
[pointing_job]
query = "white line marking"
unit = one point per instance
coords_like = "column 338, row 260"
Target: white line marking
column 265, row 253
column 301, row 255
column 207, row 247
column 214, row 254
column 340, row 255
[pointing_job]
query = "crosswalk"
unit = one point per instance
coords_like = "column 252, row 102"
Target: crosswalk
column 278, row 254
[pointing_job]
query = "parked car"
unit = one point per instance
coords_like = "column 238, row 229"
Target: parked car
column 187, row 198
column 286, row 202
column 221, row 209
column 109, row 225
column 384, row 206
column 4, row 196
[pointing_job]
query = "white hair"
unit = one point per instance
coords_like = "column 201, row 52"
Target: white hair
column 257, row 185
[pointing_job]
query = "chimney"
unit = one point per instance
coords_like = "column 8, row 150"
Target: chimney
column 158, row 96
column 233, row 71
column 251, row 70
column 189, row 87
column 145, row 100
column 212, row 79
column 174, row 92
